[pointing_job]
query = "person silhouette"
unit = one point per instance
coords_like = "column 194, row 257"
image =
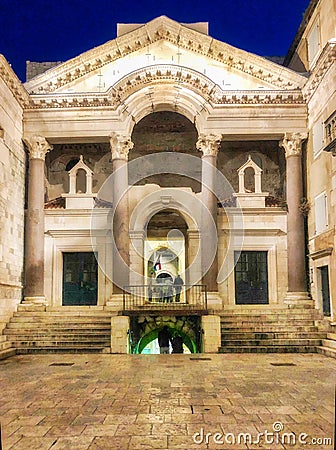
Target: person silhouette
column 178, row 283
column 164, row 339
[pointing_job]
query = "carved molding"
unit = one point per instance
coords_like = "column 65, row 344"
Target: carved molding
column 120, row 92
column 120, row 146
column 292, row 143
column 38, row 147
column 163, row 28
column 209, row 144
column 13, row 83
column 323, row 64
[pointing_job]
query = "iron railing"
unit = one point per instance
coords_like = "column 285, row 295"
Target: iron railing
column 164, row 297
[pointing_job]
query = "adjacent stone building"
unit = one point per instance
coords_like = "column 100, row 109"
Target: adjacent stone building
column 165, row 152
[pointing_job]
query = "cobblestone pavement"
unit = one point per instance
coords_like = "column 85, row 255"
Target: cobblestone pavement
column 167, row 401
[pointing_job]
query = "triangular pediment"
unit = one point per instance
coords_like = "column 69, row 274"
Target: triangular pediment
column 163, row 42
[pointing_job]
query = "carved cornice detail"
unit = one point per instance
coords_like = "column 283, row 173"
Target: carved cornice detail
column 13, row 83
column 292, row 143
column 324, row 62
column 120, row 145
column 209, row 144
column 163, row 28
column 166, row 74
column 38, row 147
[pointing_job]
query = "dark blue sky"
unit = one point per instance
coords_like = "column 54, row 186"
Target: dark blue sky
column 57, row 30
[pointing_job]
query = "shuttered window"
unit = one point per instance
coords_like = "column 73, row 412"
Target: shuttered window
column 317, row 138
column 321, row 216
column 313, row 41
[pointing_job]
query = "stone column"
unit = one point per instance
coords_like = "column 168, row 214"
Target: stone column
column 209, row 146
column 120, row 146
column 34, row 248
column 297, row 289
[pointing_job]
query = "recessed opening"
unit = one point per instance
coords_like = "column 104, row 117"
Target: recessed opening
column 62, row 364
column 283, row 364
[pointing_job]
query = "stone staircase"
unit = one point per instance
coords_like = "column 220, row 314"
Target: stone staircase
column 32, row 330
column 6, row 348
column 278, row 330
column 328, row 347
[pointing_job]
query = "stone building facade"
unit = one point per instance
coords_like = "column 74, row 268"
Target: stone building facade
column 167, row 152
column 314, row 51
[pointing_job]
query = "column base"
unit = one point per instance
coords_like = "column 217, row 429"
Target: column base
column 35, row 301
column 298, row 300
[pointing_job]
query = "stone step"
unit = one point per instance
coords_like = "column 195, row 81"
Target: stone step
column 269, row 349
column 64, row 326
column 238, row 335
column 59, row 338
column 59, row 319
column 56, row 332
column 329, row 343
column 7, row 353
column 73, row 349
column 60, row 343
column 327, row 351
column 331, row 336
column 269, row 312
column 270, row 342
column 268, row 329
column 5, row 345
column 62, row 313
column 266, row 321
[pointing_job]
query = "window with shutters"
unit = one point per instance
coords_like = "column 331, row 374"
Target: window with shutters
column 321, row 215
column 313, row 42
column 317, row 138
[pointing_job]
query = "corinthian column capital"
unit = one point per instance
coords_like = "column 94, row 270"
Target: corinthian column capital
column 120, row 146
column 292, row 143
column 38, row 147
column 209, row 144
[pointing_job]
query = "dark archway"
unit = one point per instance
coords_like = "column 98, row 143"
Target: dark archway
column 145, row 329
column 152, row 335
column 165, row 131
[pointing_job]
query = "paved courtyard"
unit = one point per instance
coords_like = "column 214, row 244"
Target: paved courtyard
column 79, row 402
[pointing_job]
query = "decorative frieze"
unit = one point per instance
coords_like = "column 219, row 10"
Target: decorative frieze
column 325, row 61
column 209, row 144
column 38, row 147
column 168, row 74
column 292, row 143
column 13, row 83
column 120, row 146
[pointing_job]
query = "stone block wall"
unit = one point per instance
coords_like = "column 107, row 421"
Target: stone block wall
column 12, row 193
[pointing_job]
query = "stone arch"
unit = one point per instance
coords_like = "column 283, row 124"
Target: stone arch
column 164, row 88
column 160, row 199
column 183, row 202
column 146, row 329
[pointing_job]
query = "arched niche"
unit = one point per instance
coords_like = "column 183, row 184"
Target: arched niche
column 254, row 197
column 80, row 175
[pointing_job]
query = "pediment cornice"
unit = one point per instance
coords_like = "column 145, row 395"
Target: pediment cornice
column 323, row 64
column 173, row 77
column 14, row 84
column 163, row 28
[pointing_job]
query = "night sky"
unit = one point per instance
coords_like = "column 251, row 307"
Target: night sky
column 57, row 30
